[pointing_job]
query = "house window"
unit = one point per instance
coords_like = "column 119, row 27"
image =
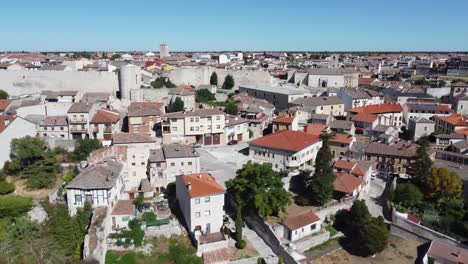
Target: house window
column 191, row 128
column 77, row 199
column 61, row 128
column 190, row 163
column 134, row 173
column 207, row 213
column 218, row 126
column 207, row 199
column 218, row 117
column 172, row 164
column 191, row 119
column 197, row 201
column 181, row 164
column 197, row 214
column 133, row 163
column 312, row 227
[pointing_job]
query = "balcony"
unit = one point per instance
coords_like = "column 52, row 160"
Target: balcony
column 78, row 121
column 78, row 129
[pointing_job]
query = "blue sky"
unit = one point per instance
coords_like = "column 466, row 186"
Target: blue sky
column 314, row 25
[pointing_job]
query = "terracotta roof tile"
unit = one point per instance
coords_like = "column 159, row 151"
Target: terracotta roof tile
column 377, row 109
column 145, row 109
column 123, row 207
column 286, row 140
column 315, row 129
column 301, row 220
column 346, row 183
column 455, row 119
column 365, row 118
column 283, row 119
column 106, row 115
column 202, row 184
column 342, row 138
column 342, row 164
column 4, row 103
column 126, row 138
column 448, row 254
column 54, row 121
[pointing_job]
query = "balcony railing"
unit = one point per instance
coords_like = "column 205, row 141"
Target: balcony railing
column 78, row 121
column 78, row 129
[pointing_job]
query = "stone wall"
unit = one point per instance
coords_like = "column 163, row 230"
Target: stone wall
column 401, row 225
column 201, row 75
column 20, row 82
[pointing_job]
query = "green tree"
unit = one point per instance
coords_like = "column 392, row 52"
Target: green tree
column 25, row 151
column 115, row 57
column 204, row 95
column 162, row 82
column 444, row 184
column 138, row 202
column 178, row 105
column 240, row 243
column 231, row 108
column 407, row 195
column 3, row 94
column 6, row 187
column 359, row 214
column 258, row 187
column 321, row 183
column 41, row 174
column 84, row 148
column 373, row 236
column 421, row 168
column 14, row 206
column 228, row 82
column 214, row 79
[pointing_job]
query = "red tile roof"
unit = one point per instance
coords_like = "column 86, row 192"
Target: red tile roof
column 202, row 184
column 342, row 138
column 455, row 119
column 346, row 183
column 286, row 140
column 315, row 129
column 366, row 81
column 447, row 253
column 365, row 118
column 4, row 103
column 462, row 131
column 377, row 109
column 345, row 165
column 283, row 119
column 5, row 120
column 145, row 109
column 300, row 221
column 126, row 138
column 106, row 115
column 184, row 87
column 54, row 121
column 414, row 219
column 123, row 207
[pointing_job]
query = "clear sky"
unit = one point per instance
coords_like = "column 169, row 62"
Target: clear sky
column 315, row 25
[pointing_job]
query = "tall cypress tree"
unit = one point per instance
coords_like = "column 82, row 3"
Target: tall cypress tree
column 214, row 79
column 422, row 166
column 321, row 183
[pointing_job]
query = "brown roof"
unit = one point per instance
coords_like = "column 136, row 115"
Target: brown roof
column 54, row 121
column 80, row 108
column 399, row 149
column 346, row 183
column 202, row 184
column 448, row 254
column 123, row 207
column 4, row 103
column 145, row 109
column 106, row 115
column 342, row 138
column 283, row 119
column 365, row 118
column 5, row 120
column 377, row 109
column 286, row 140
column 342, row 164
column 455, row 119
column 301, row 221
column 216, row 256
column 315, row 129
column 126, row 138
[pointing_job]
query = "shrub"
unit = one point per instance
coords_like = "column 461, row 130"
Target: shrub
column 6, row 187
column 407, row 195
column 302, row 201
column 148, row 216
column 14, row 206
column 241, row 244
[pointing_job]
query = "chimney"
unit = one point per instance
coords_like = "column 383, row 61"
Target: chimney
column 199, row 176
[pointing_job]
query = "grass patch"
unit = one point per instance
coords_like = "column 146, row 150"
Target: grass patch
column 331, row 230
column 323, row 245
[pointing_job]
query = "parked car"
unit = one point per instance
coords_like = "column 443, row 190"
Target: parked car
column 233, row 142
column 196, row 145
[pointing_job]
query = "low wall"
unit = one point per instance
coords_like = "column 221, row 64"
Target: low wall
column 309, row 242
column 203, row 248
column 401, row 225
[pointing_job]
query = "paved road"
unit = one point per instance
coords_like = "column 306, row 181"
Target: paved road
column 376, row 189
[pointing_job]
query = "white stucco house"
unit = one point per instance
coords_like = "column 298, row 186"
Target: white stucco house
column 301, row 226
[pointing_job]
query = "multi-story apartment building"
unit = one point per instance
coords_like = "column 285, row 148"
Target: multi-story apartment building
column 136, row 162
column 415, row 108
column 340, row 144
column 201, row 200
column 388, row 114
column 450, row 124
column 145, row 118
column 236, row 128
column 391, row 158
column 104, row 123
column 358, row 97
column 169, row 161
column 286, row 150
column 79, row 115
column 327, row 105
column 53, row 127
column 203, row 126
